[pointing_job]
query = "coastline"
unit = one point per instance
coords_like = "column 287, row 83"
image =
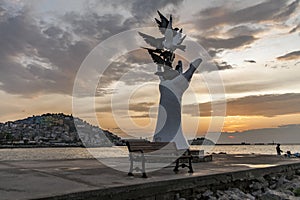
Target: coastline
column 217, row 149
column 38, row 146
column 52, row 146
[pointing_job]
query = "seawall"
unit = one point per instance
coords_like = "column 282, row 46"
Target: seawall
column 185, row 187
column 89, row 179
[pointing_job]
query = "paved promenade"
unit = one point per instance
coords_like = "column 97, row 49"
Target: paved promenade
column 82, row 178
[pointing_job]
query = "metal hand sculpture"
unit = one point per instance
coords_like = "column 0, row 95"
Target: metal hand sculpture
column 173, row 82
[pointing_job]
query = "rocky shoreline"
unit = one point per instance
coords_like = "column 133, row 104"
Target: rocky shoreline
column 269, row 187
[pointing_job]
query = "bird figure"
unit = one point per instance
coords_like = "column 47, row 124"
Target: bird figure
column 167, row 56
column 154, row 42
column 163, row 24
column 173, row 38
column 161, row 58
column 168, row 42
column 163, row 53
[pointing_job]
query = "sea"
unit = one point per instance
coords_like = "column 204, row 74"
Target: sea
column 121, row 151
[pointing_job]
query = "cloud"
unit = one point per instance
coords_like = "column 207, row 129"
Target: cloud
column 223, row 66
column 250, row 61
column 40, row 57
column 94, row 26
column 137, row 67
column 214, row 52
column 232, row 27
column 128, row 73
column 35, row 61
column 263, row 11
column 138, row 110
column 140, row 13
column 132, row 68
column 139, row 56
column 141, row 107
column 146, row 9
column 282, row 134
column 296, row 28
column 288, row 10
column 295, row 55
column 140, row 116
column 239, row 30
column 268, row 105
column 265, row 105
column 229, row 43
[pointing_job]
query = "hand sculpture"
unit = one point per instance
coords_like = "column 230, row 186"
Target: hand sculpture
column 173, row 82
column 168, row 126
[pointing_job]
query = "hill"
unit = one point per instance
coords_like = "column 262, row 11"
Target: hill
column 55, row 130
column 201, row 141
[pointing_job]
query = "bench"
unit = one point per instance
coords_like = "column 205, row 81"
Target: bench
column 144, row 151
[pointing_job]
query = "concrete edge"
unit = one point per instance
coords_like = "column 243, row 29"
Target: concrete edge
column 161, row 189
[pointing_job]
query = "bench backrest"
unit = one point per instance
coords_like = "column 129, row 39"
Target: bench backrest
column 151, row 147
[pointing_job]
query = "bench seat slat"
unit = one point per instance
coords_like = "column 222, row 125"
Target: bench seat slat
column 149, row 149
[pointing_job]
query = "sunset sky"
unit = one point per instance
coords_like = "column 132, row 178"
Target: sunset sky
column 255, row 46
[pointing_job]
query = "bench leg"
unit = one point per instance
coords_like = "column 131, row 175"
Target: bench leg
column 177, row 166
column 190, row 166
column 130, row 174
column 144, row 175
column 131, row 166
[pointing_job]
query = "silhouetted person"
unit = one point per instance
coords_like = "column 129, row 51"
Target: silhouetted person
column 279, row 151
column 294, row 155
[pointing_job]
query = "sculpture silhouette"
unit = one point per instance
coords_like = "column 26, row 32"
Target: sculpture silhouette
column 173, row 83
column 168, row 126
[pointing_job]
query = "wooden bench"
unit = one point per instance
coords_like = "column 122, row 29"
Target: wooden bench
column 144, row 151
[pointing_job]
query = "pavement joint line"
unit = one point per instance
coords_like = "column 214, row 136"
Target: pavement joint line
column 66, row 178
column 11, row 190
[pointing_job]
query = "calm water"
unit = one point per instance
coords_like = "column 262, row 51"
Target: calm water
column 106, row 152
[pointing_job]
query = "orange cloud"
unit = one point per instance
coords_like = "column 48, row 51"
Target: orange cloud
column 268, row 105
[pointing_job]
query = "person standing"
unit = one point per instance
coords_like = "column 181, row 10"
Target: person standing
column 278, row 150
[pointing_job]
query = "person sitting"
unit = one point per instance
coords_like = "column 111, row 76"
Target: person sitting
column 290, row 155
column 297, row 155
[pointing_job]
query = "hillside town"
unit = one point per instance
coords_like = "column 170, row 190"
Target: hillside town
column 54, row 130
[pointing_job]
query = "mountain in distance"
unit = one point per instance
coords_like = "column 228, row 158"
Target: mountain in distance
column 55, row 130
column 201, row 141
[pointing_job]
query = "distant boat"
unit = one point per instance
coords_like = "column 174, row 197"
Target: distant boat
column 259, row 143
column 245, row 143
